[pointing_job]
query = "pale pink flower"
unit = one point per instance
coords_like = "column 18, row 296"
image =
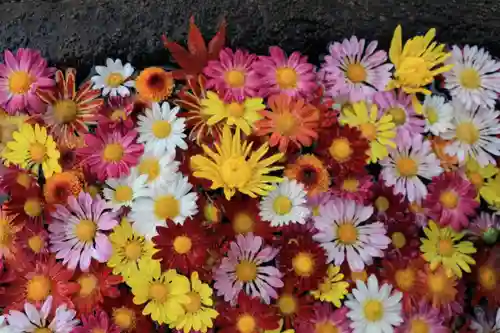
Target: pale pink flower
column 423, row 313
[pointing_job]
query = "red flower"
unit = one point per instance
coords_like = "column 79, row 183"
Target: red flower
column 293, row 305
column 185, row 167
column 404, row 236
column 353, row 187
column 27, row 206
column 127, row 315
column 16, row 180
column 96, row 322
column 34, row 241
column 388, row 205
column 486, row 277
column 6, row 276
column 117, row 113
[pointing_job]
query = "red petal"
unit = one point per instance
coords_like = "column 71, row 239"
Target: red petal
column 217, row 43
column 196, row 43
column 70, row 85
column 181, row 56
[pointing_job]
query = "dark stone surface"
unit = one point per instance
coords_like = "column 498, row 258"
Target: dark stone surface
column 83, row 32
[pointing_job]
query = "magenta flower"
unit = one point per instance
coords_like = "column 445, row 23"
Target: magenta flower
column 353, row 187
column 293, row 76
column 21, row 76
column 423, row 315
column 325, row 319
column 76, row 231
column 353, row 72
column 111, row 154
column 247, row 267
column 96, row 322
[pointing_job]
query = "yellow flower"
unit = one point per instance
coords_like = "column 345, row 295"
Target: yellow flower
column 199, row 314
column 9, row 124
column 332, row 289
column 165, row 294
column 234, row 166
column 490, row 192
column 443, row 246
column 32, row 148
column 243, row 115
column 478, row 175
column 129, row 248
column 378, row 129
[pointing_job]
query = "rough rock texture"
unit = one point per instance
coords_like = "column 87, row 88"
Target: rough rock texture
column 83, row 32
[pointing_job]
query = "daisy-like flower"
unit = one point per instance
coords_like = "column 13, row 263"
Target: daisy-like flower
column 474, row 133
column 114, row 78
column 247, row 268
column 438, row 114
column 110, row 154
column 36, row 320
column 451, row 200
column 403, row 230
column 159, row 169
column 353, row 187
column 123, row 191
column 232, row 74
column 21, row 76
column 333, row 288
column 279, row 74
column 60, row 186
column 486, row 227
column 485, row 321
column 241, row 113
column 405, row 165
column 286, row 204
column 175, row 202
column 117, row 113
column 344, row 234
column 127, row 315
column 378, row 129
column 355, row 72
column 474, row 78
column 480, row 175
column 154, row 84
column 97, row 321
column 422, row 318
column 374, row 309
column 10, row 230
column 444, row 247
column 77, row 231
column 34, row 241
column 388, row 204
column 292, row 305
column 311, row 172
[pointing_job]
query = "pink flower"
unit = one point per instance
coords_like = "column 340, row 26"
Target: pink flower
column 76, row 231
column 325, row 317
column 20, row 77
column 451, row 200
column 232, row 75
column 485, row 226
column 423, row 315
column 354, row 72
column 96, row 322
column 110, row 154
column 353, row 187
column 247, row 268
column 293, row 76
column 117, row 113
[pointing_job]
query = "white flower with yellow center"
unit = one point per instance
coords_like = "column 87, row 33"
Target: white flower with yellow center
column 474, row 79
column 374, row 309
column 161, row 130
column 286, row 204
column 114, row 78
column 474, row 134
column 123, row 191
column 158, row 169
column 438, row 114
column 174, row 202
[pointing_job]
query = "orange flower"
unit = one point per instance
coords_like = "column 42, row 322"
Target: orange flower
column 60, row 186
column 154, row 84
column 290, row 120
column 311, row 172
column 448, row 162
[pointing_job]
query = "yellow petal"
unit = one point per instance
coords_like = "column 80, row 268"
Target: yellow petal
column 396, row 46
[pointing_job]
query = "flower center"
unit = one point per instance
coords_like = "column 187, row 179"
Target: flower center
column 33, row 207
column 150, row 167
column 286, row 124
column 287, row 304
column 243, row 223
column 432, row 115
column 133, row 250
column 398, row 240
column 85, row 230
column 114, row 80
column 470, row 78
column 356, row 73
column 350, row 185
column 414, row 71
column 194, row 304
column 20, row 82
column 42, row 330
column 166, row 207
column 161, row 129
column 158, row 292
column 368, row 131
column 113, row 152
column 419, row 326
column 246, row 324
column 407, row 167
column 347, row 233
column 445, row 248
column 36, row 243
column 118, row 114
column 182, row 244
column 236, row 172
column 325, row 327
column 382, row 204
column 236, row 110
column 282, row 205
column 405, row 278
column 362, row 276
column 303, row 264
column 235, row 78
column 315, row 210
column 340, row 149
column 246, row 271
column 437, row 283
column 487, row 277
column 123, row 193
column 476, row 179
column 37, row 152
column 23, row 179
column 88, row 284
column 38, row 288
column 449, row 199
column 467, row 132
column 124, row 318
column 398, row 115
column 286, row 77
column 373, row 310
column 5, row 233
column 65, row 111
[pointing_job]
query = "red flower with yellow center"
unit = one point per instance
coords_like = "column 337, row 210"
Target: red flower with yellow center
column 353, row 187
column 16, row 180
column 34, row 241
column 126, row 315
column 403, row 233
column 388, row 204
column 292, row 305
column 27, row 206
column 310, row 171
column 117, row 113
column 10, row 229
column 486, row 276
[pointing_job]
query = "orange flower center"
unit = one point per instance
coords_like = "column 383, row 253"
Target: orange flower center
column 246, row 271
column 286, row 77
column 113, row 152
column 33, row 207
column 38, row 288
column 350, row 185
column 166, row 207
column 287, row 304
column 236, row 110
column 407, row 167
column 37, row 152
column 467, row 133
column 445, row 248
column 487, row 277
column 476, row 179
column 161, row 129
column 124, row 318
column 5, row 233
column 42, row 330
column 356, row 73
column 158, row 292
column 419, row 326
column 368, row 131
column 303, row 264
column 20, row 82
column 347, row 233
column 326, row 327
column 398, row 115
column 398, row 240
column 405, row 278
column 243, row 223
column 449, row 199
column 246, row 323
column 437, row 283
column 123, row 193
column 118, row 114
column 133, row 250
column 65, row 111
column 340, row 149
column 235, row 78
column 114, row 80
column 382, row 204
column 85, row 230
column 88, row 284
column 286, row 124
column 194, row 304
column 182, row 244
column 35, row 243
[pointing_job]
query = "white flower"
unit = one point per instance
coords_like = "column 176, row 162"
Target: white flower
column 161, row 130
column 474, row 78
column 438, row 114
column 474, row 134
column 374, row 309
column 114, row 78
column 159, row 169
column 405, row 164
column 286, row 204
column 485, row 322
column 4, row 327
column 33, row 319
column 173, row 202
column 123, row 191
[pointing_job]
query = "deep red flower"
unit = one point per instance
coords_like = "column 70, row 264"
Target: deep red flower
column 7, row 275
column 117, row 113
column 28, row 205
column 34, row 241
column 293, row 305
column 404, row 234
column 185, row 167
column 96, row 322
column 16, row 180
column 325, row 319
column 388, row 204
column 486, row 277
column 356, row 187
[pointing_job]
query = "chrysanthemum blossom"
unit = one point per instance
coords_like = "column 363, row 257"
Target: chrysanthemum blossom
column 159, row 169
column 353, row 71
column 123, row 191
column 77, row 231
column 154, row 84
column 98, row 321
column 423, row 318
column 114, row 78
column 332, row 289
column 438, row 114
column 21, row 76
column 311, row 172
column 324, row 319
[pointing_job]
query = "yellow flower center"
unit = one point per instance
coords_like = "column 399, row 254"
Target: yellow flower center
column 236, row 110
column 398, row 115
column 124, row 318
column 113, row 152
column 315, row 211
column 114, row 80
column 235, row 78
column 286, row 124
column 325, row 327
column 236, row 172
column 382, row 204
column 287, row 304
column 449, row 199
column 151, row 167
column 286, row 77
column 347, row 233
column 35, row 243
column 432, row 115
column 243, row 223
column 33, row 207
column 340, row 149
column 38, row 288
column 158, row 292
column 42, row 330
column 23, row 179
column 246, row 271
column 476, row 179
column 350, row 185
column 398, row 239
column 356, row 73
column 246, row 324
column 97, row 330
column 373, row 310
column 20, row 82
column 5, row 233
column 470, row 78
column 93, row 190
column 445, row 248
column 37, row 152
column 123, row 193
column 166, row 207
column 362, row 276
column 118, row 114
column 88, row 284
column 303, row 264
column 487, row 277
column 211, row 213
column 85, row 230
column 467, row 133
column 368, row 131
column 437, row 283
column 161, row 129
column 405, row 278
column 133, row 250
column 407, row 167
column 182, row 244
column 282, row 205
column 414, row 71
column 65, row 111
column 419, row 326
column 194, row 304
